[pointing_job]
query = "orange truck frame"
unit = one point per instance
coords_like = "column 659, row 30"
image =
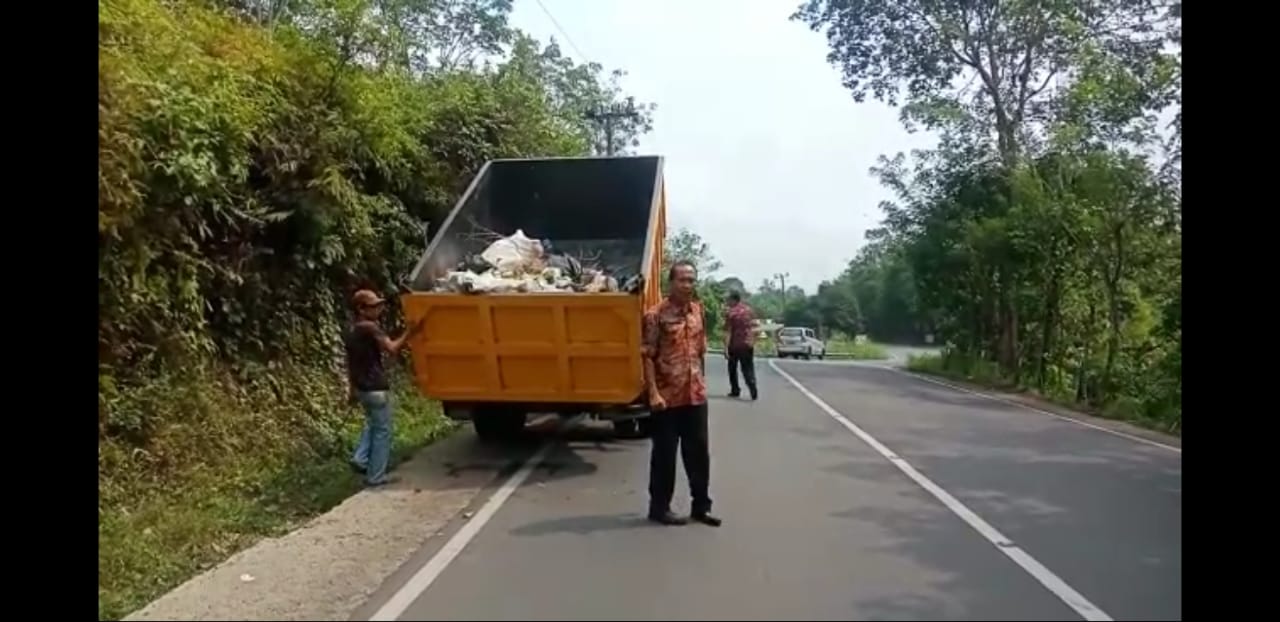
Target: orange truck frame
column 494, row 359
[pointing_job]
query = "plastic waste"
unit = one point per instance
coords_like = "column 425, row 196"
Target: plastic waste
column 518, row 263
column 514, row 253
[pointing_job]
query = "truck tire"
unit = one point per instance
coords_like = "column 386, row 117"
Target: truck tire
column 496, row 425
column 626, row 428
column 645, row 426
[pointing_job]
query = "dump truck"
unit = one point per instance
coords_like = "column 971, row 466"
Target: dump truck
column 496, row 358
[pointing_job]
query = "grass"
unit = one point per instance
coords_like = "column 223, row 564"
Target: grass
column 859, row 349
column 986, row 374
column 155, row 533
column 983, row 373
column 839, row 347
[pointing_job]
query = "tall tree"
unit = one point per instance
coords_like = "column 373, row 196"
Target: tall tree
column 988, row 68
column 987, row 65
column 733, row 283
column 686, row 245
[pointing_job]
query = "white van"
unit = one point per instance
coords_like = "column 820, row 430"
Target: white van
column 799, row 342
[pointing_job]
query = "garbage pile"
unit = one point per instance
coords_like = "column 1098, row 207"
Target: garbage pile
column 518, row 263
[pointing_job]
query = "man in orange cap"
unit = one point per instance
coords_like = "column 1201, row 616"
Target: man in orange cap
column 366, row 343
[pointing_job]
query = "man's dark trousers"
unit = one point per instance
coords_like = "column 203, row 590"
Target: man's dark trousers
column 746, row 356
column 683, row 427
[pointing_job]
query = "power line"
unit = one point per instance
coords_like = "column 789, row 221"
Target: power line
column 608, row 116
column 566, row 36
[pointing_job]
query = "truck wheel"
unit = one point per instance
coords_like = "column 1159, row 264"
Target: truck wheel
column 493, row 425
column 626, row 428
column 645, row 425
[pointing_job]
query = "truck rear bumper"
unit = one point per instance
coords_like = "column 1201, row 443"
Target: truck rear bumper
column 462, row 411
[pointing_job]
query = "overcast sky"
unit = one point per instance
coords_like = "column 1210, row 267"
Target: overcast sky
column 767, row 155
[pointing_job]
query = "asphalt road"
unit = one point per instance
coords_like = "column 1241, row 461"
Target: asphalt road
column 1071, row 522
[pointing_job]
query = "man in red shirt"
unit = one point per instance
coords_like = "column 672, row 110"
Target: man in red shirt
column 675, row 348
column 740, row 345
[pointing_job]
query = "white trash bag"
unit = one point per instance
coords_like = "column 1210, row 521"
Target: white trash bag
column 515, row 253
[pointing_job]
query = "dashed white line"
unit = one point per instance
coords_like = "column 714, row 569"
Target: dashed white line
column 996, row 398
column 1038, row 571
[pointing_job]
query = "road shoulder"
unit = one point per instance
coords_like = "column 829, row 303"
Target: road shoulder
column 330, row 566
column 1032, row 402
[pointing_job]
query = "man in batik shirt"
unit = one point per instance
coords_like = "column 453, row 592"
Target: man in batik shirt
column 675, row 348
column 740, row 344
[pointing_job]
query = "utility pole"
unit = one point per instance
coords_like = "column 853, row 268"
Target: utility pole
column 607, row 117
column 782, row 278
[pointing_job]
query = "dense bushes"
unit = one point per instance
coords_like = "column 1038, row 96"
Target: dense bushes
column 1073, row 288
column 256, row 166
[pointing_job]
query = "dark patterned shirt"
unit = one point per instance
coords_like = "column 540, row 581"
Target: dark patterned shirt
column 676, row 340
column 739, row 321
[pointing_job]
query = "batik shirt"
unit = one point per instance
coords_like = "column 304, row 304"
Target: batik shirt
column 738, row 321
column 676, row 340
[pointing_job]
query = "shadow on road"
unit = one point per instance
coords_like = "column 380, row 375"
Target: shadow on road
column 584, row 525
column 461, row 461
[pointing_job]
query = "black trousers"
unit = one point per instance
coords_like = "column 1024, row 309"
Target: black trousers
column 683, row 427
column 746, row 356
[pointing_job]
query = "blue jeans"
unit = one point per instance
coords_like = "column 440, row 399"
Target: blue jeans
column 373, row 451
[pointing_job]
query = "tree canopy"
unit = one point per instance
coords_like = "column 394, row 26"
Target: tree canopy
column 297, row 153
column 261, row 159
column 1043, row 234
column 258, row 160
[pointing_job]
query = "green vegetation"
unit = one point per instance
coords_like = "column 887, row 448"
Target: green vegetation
column 257, row 163
column 838, row 345
column 154, row 534
column 980, row 372
column 861, row 349
column 1041, row 240
column 987, row 374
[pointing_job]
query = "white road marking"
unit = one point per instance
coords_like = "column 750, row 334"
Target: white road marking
column 425, row 576
column 996, row 398
column 1038, row 571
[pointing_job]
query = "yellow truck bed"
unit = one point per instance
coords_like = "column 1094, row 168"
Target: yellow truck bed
column 553, row 348
column 546, row 351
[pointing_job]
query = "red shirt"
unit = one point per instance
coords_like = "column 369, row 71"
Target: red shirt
column 738, row 321
column 676, row 340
